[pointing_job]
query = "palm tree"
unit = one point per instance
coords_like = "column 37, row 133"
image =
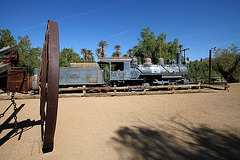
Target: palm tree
column 98, row 52
column 84, row 52
column 102, row 44
column 89, row 55
column 117, row 47
column 115, row 54
column 129, row 52
column 135, row 50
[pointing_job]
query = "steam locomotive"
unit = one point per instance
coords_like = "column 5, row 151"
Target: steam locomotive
column 122, row 71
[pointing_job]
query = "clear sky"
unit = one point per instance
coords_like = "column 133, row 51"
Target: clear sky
column 199, row 24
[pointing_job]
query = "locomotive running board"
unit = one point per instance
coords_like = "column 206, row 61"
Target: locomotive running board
column 172, row 77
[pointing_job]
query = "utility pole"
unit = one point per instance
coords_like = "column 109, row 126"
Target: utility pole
column 210, row 63
column 184, row 53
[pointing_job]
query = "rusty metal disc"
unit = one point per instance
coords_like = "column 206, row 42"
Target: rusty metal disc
column 49, row 86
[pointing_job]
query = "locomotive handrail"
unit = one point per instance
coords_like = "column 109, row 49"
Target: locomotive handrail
column 165, row 68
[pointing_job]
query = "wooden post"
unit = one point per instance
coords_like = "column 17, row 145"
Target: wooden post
column 84, row 91
column 144, row 89
column 226, row 87
column 115, row 89
column 199, row 88
column 172, row 88
column 203, row 84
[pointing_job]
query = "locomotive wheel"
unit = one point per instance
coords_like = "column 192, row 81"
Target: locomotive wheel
column 49, row 80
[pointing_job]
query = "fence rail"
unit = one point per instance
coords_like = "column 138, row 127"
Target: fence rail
column 121, row 91
column 146, row 89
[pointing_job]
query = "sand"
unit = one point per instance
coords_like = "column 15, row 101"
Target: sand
column 177, row 126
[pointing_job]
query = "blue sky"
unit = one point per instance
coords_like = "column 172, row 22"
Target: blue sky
column 199, row 24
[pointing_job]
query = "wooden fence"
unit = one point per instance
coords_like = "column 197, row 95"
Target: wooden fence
column 124, row 91
column 144, row 90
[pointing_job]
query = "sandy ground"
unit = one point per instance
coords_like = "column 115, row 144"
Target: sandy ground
column 178, row 126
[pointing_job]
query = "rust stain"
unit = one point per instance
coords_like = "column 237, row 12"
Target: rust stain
column 84, row 65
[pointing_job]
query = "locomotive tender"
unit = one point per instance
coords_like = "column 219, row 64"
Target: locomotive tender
column 121, row 71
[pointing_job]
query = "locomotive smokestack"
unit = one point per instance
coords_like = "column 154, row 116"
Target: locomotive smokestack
column 179, row 58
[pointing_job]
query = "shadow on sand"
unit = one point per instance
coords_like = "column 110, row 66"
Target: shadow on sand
column 22, row 126
column 176, row 140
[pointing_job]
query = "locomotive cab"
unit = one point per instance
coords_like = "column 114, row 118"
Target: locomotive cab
column 116, row 69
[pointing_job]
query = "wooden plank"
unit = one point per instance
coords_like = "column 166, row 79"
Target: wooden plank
column 128, row 87
column 215, row 85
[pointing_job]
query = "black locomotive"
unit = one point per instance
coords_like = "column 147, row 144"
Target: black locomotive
column 122, row 71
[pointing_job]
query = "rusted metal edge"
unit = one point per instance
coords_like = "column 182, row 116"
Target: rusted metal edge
column 50, row 86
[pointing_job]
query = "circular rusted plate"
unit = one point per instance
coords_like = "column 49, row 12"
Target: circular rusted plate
column 49, row 86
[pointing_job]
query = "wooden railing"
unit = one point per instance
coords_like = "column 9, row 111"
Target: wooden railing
column 126, row 90
column 170, row 89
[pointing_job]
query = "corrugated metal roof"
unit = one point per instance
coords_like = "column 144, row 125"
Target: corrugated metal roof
column 5, row 50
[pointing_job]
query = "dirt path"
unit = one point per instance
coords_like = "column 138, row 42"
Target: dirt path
column 180, row 126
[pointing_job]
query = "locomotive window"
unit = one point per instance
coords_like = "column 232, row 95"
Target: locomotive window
column 117, row 66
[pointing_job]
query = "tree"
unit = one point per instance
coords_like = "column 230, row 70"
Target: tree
column 162, row 46
column 117, row 53
column 84, row 52
column 98, row 52
column 34, row 60
column 135, row 49
column 173, row 48
column 227, row 61
column 28, row 56
column 89, row 55
column 200, row 70
column 130, row 53
column 67, row 56
column 154, row 47
column 146, row 44
column 102, row 44
column 6, row 39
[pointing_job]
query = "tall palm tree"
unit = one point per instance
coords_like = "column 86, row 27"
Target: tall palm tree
column 117, row 47
column 84, row 52
column 98, row 52
column 129, row 52
column 89, row 55
column 102, row 44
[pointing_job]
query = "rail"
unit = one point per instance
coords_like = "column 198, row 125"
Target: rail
column 113, row 91
column 119, row 91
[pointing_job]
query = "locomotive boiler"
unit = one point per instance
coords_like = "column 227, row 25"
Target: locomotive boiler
column 126, row 71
